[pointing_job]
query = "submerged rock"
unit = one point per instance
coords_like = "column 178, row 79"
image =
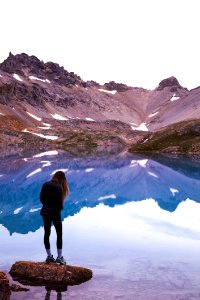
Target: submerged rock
column 40, row 273
column 4, row 287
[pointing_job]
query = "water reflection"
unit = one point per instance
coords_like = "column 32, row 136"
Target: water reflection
column 48, row 294
column 133, row 249
column 116, row 181
column 133, row 220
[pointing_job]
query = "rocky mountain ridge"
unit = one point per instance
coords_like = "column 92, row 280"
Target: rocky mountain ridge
column 46, row 101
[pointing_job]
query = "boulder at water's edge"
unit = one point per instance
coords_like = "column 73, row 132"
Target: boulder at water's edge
column 48, row 274
column 4, row 287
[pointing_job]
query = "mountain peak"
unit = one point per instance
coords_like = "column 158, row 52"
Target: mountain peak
column 16, row 63
column 25, row 65
column 170, row 82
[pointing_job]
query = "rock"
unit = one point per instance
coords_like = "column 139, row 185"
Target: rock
column 120, row 87
column 171, row 82
column 23, row 64
column 4, row 287
column 16, row 63
column 51, row 275
column 91, row 83
column 18, row 288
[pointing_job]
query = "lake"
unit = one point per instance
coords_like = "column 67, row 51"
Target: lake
column 134, row 220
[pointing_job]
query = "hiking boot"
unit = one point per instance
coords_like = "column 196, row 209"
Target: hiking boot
column 50, row 259
column 60, row 260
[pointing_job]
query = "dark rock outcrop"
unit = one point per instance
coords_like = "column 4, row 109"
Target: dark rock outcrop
column 119, row 87
column 4, row 287
column 91, row 83
column 19, row 92
column 170, row 82
column 40, row 273
column 24, row 65
column 17, row 63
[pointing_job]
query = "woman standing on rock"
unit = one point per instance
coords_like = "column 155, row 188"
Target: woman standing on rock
column 52, row 197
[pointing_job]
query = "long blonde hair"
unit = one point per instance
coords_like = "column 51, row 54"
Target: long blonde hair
column 60, row 178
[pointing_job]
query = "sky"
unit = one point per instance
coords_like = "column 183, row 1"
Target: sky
column 136, row 42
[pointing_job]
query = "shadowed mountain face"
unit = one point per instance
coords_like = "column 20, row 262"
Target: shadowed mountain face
column 111, row 181
column 43, row 99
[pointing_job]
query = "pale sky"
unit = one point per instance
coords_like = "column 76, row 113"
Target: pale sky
column 136, row 42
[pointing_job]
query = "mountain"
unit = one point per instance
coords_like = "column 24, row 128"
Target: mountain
column 43, row 105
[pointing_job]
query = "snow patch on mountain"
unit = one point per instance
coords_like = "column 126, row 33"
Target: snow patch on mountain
column 36, row 78
column 48, row 137
column 17, row 77
column 153, row 114
column 109, row 92
column 89, row 119
column 44, row 127
column 141, row 127
column 59, row 117
column 33, row 116
column 52, row 152
column 174, row 98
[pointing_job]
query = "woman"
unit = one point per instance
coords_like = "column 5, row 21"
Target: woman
column 52, row 196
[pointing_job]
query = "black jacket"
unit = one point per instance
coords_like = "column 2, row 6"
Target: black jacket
column 51, row 198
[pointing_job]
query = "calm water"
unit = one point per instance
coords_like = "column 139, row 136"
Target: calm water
column 134, row 221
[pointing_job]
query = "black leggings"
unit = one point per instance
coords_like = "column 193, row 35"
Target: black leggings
column 47, row 230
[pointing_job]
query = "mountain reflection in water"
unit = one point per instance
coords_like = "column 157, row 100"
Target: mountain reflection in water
column 115, row 181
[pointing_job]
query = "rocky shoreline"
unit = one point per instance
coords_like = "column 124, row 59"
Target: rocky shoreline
column 105, row 138
column 77, row 138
